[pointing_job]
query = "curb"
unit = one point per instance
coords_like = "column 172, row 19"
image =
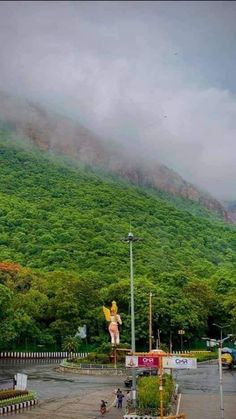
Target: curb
column 18, row 406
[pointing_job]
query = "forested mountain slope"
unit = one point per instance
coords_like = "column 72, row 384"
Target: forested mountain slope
column 64, row 225
column 53, row 132
column 57, row 216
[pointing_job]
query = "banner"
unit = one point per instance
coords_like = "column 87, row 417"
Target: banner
column 179, row 362
column 142, row 361
column 21, row 381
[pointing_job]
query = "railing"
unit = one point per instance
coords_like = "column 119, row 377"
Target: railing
column 135, row 416
column 191, row 352
column 98, row 366
column 42, row 355
column 84, row 366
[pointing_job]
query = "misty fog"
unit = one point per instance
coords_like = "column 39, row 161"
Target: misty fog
column 156, row 77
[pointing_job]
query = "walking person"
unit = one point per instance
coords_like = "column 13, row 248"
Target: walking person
column 103, row 407
column 118, row 391
column 120, row 397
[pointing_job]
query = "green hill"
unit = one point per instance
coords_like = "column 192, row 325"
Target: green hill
column 64, row 222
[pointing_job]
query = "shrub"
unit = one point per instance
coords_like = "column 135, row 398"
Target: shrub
column 8, row 394
column 18, row 399
column 92, row 357
column 149, row 395
column 104, row 348
column 71, row 344
column 103, row 359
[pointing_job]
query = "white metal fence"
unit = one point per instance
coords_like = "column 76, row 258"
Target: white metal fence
column 42, row 355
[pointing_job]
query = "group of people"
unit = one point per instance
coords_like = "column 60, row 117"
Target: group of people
column 119, row 398
column 117, row 403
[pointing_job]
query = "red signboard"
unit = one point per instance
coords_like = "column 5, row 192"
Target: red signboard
column 148, row 361
column 145, row 361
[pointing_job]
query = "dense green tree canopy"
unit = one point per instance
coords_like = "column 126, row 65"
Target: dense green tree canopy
column 65, row 224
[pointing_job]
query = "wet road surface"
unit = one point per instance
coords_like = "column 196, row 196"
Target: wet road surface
column 50, row 384
column 63, row 395
column 74, row 396
column 201, row 392
column 205, row 379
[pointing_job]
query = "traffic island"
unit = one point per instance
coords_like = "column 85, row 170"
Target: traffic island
column 150, row 403
column 90, row 369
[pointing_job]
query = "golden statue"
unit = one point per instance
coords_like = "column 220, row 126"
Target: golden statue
column 114, row 320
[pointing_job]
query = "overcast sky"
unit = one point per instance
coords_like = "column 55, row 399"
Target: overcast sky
column 159, row 76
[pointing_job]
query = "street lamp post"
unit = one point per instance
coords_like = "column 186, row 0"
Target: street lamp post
column 220, row 367
column 181, row 333
column 131, row 239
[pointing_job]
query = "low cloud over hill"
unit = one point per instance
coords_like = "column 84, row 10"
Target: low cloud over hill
column 55, row 132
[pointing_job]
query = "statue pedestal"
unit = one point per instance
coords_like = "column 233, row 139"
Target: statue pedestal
column 113, row 356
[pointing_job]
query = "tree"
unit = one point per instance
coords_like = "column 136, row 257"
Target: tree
column 7, row 329
column 71, row 344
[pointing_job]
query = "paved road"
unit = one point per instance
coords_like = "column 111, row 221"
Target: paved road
column 73, row 396
column 200, row 392
column 63, row 395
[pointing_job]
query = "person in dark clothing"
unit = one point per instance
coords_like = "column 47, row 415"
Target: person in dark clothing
column 103, row 407
column 14, row 382
column 120, row 397
column 118, row 391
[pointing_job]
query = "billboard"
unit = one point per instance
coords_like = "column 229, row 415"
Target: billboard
column 179, row 362
column 142, row 361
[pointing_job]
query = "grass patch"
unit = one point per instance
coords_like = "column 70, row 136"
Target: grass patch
column 206, row 356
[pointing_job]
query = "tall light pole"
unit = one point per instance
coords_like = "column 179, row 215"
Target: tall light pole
column 220, row 367
column 130, row 239
column 150, row 322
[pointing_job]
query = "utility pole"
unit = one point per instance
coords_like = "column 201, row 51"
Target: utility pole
column 171, row 345
column 161, row 388
column 158, row 339
column 150, row 322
